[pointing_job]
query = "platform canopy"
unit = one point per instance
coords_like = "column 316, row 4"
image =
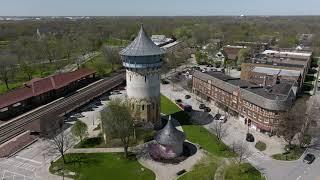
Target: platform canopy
column 142, row 46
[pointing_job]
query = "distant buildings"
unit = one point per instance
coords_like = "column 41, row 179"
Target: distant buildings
column 258, row 105
column 281, row 64
column 167, row 44
column 232, row 52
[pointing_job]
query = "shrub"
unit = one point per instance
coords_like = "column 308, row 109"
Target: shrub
column 261, row 146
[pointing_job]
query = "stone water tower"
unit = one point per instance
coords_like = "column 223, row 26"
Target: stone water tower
column 142, row 60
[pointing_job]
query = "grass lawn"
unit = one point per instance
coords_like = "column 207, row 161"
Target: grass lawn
column 142, row 136
column 294, row 154
column 205, row 169
column 168, row 107
column 261, row 146
column 101, row 166
column 242, row 172
column 208, row 141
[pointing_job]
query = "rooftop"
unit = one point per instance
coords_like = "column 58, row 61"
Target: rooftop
column 170, row 135
column 276, row 97
column 276, row 71
column 142, row 46
column 39, row 86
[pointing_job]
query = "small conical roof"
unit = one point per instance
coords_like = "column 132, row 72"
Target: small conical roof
column 170, row 134
column 142, row 46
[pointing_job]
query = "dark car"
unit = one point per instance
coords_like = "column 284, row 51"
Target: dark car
column 163, row 81
column 202, row 106
column 207, row 109
column 250, row 137
column 178, row 101
column 309, row 158
column 187, row 96
column 187, row 108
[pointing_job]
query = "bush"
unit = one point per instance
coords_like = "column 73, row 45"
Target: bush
column 261, row 146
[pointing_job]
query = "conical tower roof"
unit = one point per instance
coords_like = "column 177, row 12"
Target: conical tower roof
column 170, row 135
column 142, row 46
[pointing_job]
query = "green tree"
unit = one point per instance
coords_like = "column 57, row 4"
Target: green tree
column 243, row 55
column 117, row 122
column 80, row 130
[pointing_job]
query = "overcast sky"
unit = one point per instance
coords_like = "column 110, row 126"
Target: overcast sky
column 157, row 7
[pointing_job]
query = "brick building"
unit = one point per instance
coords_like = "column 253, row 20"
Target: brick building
column 282, row 64
column 259, row 106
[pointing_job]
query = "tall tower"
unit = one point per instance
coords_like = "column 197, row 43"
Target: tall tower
column 142, row 60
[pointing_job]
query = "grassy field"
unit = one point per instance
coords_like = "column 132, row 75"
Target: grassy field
column 168, row 107
column 102, row 166
column 205, row 169
column 242, row 172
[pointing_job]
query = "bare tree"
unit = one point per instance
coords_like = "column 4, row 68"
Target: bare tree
column 61, row 143
column 292, row 121
column 7, row 68
column 219, row 129
column 111, row 55
column 117, row 122
column 242, row 149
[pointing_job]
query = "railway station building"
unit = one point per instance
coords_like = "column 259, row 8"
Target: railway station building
column 40, row 91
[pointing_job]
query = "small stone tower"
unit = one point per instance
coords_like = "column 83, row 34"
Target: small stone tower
column 142, row 60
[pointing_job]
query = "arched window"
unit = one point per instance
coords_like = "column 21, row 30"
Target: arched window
column 145, row 78
column 152, row 105
column 142, row 107
column 130, row 78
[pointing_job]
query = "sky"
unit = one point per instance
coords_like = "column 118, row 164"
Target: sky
column 157, row 7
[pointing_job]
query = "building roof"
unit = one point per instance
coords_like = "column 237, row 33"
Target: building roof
column 142, row 46
column 288, row 53
column 276, row 71
column 278, row 97
column 39, row 86
column 232, row 51
column 170, row 135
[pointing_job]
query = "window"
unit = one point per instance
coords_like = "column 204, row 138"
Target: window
column 153, row 105
column 145, row 78
column 142, row 107
column 130, row 78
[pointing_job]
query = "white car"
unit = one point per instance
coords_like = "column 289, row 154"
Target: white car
column 223, row 119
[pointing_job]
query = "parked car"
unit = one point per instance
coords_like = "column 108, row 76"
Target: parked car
column 209, row 65
column 202, row 106
column 223, row 119
column 249, row 137
column 207, row 109
column 187, row 96
column 163, row 81
column 187, row 108
column 178, row 101
column 309, row 158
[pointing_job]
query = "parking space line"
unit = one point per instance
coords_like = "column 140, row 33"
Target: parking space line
column 27, row 159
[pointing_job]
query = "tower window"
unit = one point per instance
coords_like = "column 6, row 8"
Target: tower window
column 145, row 78
column 142, row 107
column 130, row 78
column 152, row 105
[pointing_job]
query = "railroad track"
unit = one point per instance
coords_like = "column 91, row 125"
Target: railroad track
column 17, row 126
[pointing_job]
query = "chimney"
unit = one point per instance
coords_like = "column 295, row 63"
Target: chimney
column 264, row 81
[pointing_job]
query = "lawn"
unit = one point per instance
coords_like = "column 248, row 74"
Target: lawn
column 242, row 172
column 101, row 166
column 205, row 169
column 208, row 141
column 142, row 136
column 294, row 154
column 168, row 107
